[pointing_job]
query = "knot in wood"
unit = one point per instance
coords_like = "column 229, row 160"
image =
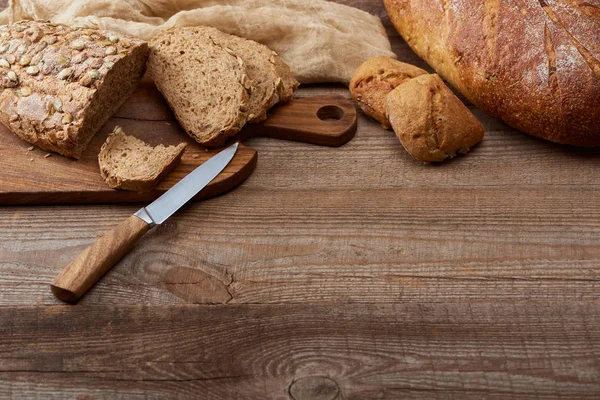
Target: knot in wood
column 314, row 388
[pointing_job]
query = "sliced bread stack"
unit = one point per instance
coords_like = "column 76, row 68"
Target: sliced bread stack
column 215, row 82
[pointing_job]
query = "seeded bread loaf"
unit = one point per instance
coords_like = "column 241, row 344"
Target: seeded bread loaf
column 430, row 121
column 206, row 86
column 535, row 64
column 374, row 79
column 129, row 163
column 60, row 85
column 270, row 79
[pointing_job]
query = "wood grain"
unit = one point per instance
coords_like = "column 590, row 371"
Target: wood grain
column 354, row 268
column 434, row 351
column 259, row 246
column 328, row 120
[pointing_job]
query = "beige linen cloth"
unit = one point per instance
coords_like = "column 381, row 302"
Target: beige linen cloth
column 320, row 40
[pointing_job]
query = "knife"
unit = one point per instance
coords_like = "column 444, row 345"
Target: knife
column 91, row 265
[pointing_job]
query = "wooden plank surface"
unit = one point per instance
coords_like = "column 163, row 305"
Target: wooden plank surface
column 353, row 272
column 392, row 351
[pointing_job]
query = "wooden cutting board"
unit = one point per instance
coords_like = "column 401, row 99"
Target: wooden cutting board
column 31, row 176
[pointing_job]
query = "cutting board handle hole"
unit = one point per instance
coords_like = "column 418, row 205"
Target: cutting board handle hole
column 330, row 113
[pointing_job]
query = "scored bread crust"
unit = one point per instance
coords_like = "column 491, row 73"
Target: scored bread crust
column 204, row 84
column 534, row 64
column 60, row 85
column 270, row 79
column 128, row 163
column 374, row 79
column 430, row 121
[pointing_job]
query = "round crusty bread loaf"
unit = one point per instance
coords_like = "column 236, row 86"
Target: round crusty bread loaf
column 271, row 80
column 534, row 64
column 205, row 85
column 374, row 79
column 430, row 121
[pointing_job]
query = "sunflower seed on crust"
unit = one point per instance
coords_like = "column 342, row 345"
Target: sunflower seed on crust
column 67, row 118
column 78, row 44
column 65, row 73
column 32, row 70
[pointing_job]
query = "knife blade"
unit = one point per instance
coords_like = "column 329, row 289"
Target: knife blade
column 82, row 273
column 182, row 192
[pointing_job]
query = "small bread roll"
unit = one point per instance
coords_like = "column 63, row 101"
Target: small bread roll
column 430, row 121
column 374, row 79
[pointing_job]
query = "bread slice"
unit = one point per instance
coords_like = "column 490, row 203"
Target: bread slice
column 59, row 85
column 205, row 85
column 374, row 79
column 271, row 80
column 129, row 163
column 430, row 121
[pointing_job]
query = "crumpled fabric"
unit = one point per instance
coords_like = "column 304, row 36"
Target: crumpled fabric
column 320, row 40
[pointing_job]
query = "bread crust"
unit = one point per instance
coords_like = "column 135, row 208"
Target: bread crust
column 533, row 64
column 288, row 83
column 374, row 79
column 430, row 121
column 52, row 80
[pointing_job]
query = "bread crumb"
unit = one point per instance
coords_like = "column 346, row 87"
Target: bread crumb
column 168, row 123
column 196, row 156
column 30, row 148
column 31, row 160
column 47, row 155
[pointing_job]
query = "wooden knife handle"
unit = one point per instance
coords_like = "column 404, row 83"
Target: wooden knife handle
column 323, row 120
column 96, row 260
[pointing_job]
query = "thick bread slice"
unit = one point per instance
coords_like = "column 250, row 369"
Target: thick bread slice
column 430, row 121
column 271, row 80
column 202, row 82
column 60, row 85
column 129, row 163
column 374, row 79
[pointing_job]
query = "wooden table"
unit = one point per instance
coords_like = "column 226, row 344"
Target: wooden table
column 353, row 272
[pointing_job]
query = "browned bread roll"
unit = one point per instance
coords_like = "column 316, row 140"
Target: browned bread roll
column 534, row 64
column 59, row 85
column 430, row 121
column 374, row 79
